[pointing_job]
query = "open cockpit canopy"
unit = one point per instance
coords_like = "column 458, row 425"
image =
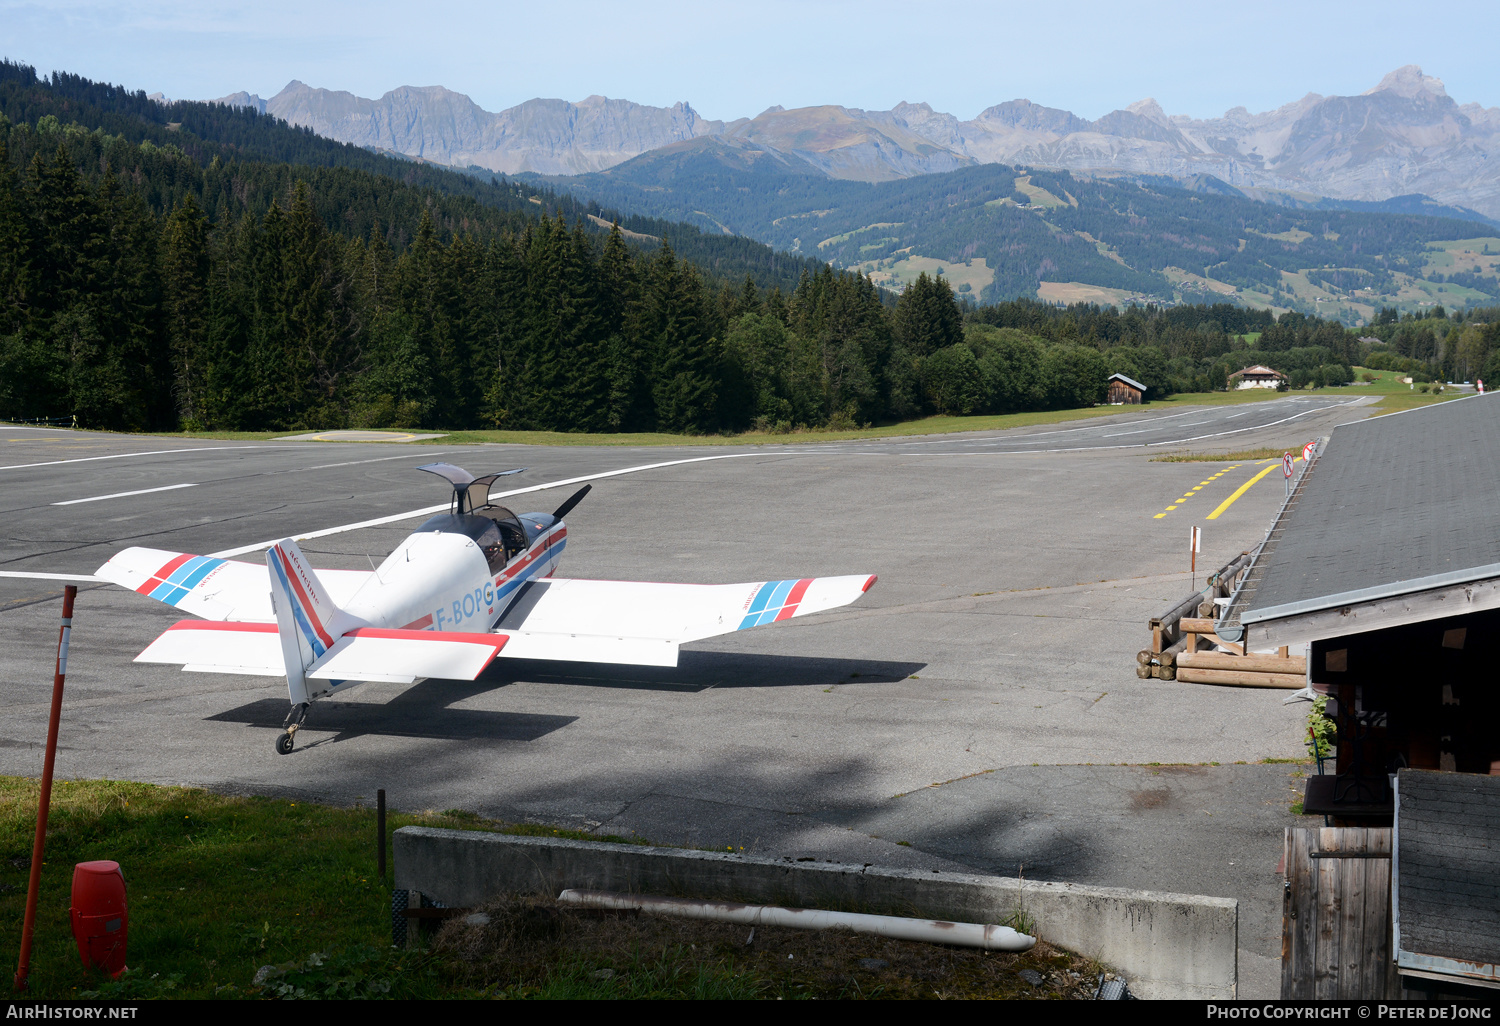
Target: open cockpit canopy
column 470, row 494
column 495, row 529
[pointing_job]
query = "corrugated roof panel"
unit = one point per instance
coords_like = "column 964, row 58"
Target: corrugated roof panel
column 1395, row 500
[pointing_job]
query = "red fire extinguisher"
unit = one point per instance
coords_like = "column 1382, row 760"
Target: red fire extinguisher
column 100, row 919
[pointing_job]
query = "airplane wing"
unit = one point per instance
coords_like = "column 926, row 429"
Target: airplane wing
column 215, row 589
column 393, row 656
column 643, row 624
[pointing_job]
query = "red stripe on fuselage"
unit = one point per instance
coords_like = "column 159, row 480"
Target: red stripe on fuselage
column 537, row 550
column 789, row 609
column 419, row 625
column 156, row 579
column 307, row 606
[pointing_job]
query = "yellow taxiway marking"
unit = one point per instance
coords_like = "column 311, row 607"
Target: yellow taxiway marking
column 1245, row 488
column 1191, row 493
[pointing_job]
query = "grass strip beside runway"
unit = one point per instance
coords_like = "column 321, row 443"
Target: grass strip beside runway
column 221, row 886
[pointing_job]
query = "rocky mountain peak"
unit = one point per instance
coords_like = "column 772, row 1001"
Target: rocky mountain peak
column 243, row 99
column 1150, row 110
column 1410, row 83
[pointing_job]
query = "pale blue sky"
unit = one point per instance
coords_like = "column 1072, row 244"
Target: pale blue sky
column 735, row 58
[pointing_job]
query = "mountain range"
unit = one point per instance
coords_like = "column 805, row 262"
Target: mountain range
column 1404, row 136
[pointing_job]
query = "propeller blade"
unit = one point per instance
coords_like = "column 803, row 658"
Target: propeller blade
column 574, row 500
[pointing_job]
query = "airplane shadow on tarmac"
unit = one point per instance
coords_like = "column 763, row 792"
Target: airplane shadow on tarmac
column 700, row 671
column 426, row 710
column 422, row 710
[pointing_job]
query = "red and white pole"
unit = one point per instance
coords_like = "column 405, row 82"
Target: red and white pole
column 45, row 801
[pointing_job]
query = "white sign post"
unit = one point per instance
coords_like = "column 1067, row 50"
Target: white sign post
column 1286, row 471
column 1195, row 545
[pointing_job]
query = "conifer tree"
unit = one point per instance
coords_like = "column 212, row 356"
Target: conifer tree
column 185, row 272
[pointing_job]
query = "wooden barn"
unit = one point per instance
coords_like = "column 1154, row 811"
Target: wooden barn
column 1123, row 390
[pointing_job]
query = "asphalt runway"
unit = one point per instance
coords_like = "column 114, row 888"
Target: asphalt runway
column 983, row 689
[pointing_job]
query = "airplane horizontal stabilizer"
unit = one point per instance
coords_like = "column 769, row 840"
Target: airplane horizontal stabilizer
column 203, row 645
column 391, row 656
column 401, row 656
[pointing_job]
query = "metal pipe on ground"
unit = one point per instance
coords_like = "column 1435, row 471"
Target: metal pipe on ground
column 1167, row 622
column 989, row 937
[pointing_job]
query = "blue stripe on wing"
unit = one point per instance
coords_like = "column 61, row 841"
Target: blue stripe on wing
column 758, row 606
column 184, row 579
column 775, row 602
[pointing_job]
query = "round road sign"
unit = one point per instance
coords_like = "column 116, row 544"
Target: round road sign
column 1286, row 464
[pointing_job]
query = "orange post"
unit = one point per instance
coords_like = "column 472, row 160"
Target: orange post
column 23, row 968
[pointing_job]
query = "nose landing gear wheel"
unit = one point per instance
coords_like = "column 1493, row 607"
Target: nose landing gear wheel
column 284, row 744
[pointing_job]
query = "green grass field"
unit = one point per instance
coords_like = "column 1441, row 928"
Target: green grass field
column 1394, row 395
column 926, row 426
column 220, row 887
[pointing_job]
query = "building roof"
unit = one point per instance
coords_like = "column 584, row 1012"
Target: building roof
column 1129, row 381
column 1392, row 506
column 1259, row 371
column 1446, row 879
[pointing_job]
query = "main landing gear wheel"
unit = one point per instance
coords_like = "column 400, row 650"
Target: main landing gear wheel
column 293, row 723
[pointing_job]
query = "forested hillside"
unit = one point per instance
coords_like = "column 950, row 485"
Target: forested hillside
column 1001, row 233
column 148, row 286
column 259, row 154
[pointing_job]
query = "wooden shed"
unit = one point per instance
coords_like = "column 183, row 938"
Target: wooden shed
column 1125, row 390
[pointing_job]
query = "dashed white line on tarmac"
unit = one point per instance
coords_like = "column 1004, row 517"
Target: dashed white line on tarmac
column 383, row 459
column 121, row 495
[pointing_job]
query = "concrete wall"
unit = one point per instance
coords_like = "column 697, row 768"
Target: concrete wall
column 1166, row 945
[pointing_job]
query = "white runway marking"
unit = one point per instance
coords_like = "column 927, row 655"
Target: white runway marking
column 121, row 495
column 153, row 452
column 429, row 510
column 383, row 459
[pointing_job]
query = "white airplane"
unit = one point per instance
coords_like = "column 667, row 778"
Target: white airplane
column 466, row 587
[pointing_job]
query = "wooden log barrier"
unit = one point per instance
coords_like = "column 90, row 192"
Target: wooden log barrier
column 1255, row 662
column 1241, row 678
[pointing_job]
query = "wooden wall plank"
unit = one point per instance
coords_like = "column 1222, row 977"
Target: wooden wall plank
column 1336, row 921
column 1325, row 873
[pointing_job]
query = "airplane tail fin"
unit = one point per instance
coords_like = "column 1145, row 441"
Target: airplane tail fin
column 307, row 619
